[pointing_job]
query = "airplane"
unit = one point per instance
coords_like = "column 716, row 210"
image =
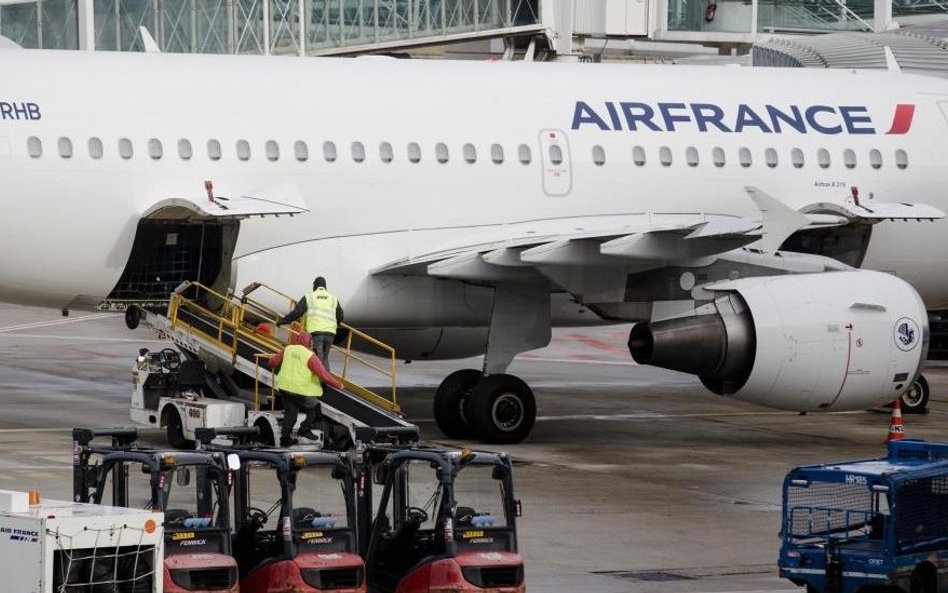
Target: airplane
column 776, row 232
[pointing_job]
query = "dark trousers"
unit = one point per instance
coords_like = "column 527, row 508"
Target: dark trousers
column 293, row 404
column 322, row 343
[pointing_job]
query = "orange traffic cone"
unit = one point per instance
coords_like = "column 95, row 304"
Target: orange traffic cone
column 896, row 430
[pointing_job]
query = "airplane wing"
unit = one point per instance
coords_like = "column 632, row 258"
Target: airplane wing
column 642, row 241
column 638, row 243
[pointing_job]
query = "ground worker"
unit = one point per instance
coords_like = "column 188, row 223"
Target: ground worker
column 298, row 380
column 323, row 316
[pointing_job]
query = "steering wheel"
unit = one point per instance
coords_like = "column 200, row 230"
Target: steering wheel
column 172, row 359
column 417, row 515
column 256, row 518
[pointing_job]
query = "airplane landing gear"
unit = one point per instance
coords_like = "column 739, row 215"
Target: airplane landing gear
column 449, row 403
column 497, row 409
column 491, row 405
column 915, row 399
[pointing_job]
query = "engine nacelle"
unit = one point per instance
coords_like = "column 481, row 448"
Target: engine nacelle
column 809, row 342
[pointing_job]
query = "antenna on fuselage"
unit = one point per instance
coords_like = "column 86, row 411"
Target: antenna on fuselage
column 148, row 41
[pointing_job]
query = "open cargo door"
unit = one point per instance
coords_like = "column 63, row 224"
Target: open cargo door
column 184, row 239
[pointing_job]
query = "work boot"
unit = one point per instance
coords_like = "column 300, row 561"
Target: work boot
column 308, row 434
column 289, row 442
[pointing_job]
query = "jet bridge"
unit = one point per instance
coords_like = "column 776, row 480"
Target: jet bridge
column 225, row 333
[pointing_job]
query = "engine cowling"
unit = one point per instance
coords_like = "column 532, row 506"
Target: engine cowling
column 809, row 342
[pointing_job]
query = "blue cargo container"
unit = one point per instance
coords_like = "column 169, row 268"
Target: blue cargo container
column 870, row 524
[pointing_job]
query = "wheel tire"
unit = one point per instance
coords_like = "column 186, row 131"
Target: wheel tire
column 265, row 435
column 132, row 317
column 915, row 399
column 175, row 430
column 449, row 401
column 502, row 409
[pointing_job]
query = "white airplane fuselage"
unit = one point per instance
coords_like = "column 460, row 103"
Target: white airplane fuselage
column 69, row 223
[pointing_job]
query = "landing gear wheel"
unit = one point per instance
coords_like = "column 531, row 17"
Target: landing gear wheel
column 915, row 398
column 132, row 316
column 176, row 430
column 449, row 403
column 502, row 409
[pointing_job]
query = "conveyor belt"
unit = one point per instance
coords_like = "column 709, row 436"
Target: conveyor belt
column 344, row 402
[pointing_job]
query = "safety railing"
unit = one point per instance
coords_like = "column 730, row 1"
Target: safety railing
column 232, row 321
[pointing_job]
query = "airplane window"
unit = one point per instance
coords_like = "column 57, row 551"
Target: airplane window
column 523, row 153
column 386, row 152
column 243, row 150
column 154, row 148
column 638, row 156
column 273, row 150
column 849, row 158
column 414, row 152
column 65, row 148
column 875, row 159
column 796, row 157
column 556, row 154
column 441, row 152
column 717, row 155
column 34, row 146
column 214, row 150
column 125, row 148
column 497, row 153
column 770, row 155
column 823, row 158
column 691, row 155
column 665, row 156
column 95, row 148
column 358, row 152
column 470, row 153
column 744, row 156
column 301, row 151
column 901, row 159
column 184, row 149
column 329, row 151
column 599, row 155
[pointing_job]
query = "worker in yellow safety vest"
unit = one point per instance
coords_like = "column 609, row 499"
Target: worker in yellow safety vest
column 323, row 316
column 298, row 379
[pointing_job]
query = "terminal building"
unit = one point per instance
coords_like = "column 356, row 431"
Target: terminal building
column 533, row 29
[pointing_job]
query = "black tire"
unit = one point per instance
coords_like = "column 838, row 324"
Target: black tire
column 265, row 436
column 502, row 409
column 449, row 401
column 132, row 317
column 175, row 429
column 915, row 399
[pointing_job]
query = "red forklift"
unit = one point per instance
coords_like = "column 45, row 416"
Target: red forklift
column 445, row 519
column 295, row 517
column 191, row 488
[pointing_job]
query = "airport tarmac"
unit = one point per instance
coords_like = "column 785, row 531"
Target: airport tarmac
column 634, row 479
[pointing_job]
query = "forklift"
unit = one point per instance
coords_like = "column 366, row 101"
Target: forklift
column 295, row 517
column 445, row 520
column 191, row 488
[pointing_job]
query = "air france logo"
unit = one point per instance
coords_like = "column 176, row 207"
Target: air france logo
column 707, row 117
column 906, row 334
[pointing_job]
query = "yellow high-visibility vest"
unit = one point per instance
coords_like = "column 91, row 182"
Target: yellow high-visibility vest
column 295, row 376
column 320, row 312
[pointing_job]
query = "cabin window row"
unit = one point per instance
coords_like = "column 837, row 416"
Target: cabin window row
column 745, row 157
column 242, row 149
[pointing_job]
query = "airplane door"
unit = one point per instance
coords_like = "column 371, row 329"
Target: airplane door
column 554, row 156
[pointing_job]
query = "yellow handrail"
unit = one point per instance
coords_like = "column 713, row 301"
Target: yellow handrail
column 233, row 318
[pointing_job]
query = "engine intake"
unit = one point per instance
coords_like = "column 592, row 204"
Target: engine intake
column 718, row 344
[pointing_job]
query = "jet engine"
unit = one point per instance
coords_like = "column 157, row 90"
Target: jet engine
column 809, row 342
